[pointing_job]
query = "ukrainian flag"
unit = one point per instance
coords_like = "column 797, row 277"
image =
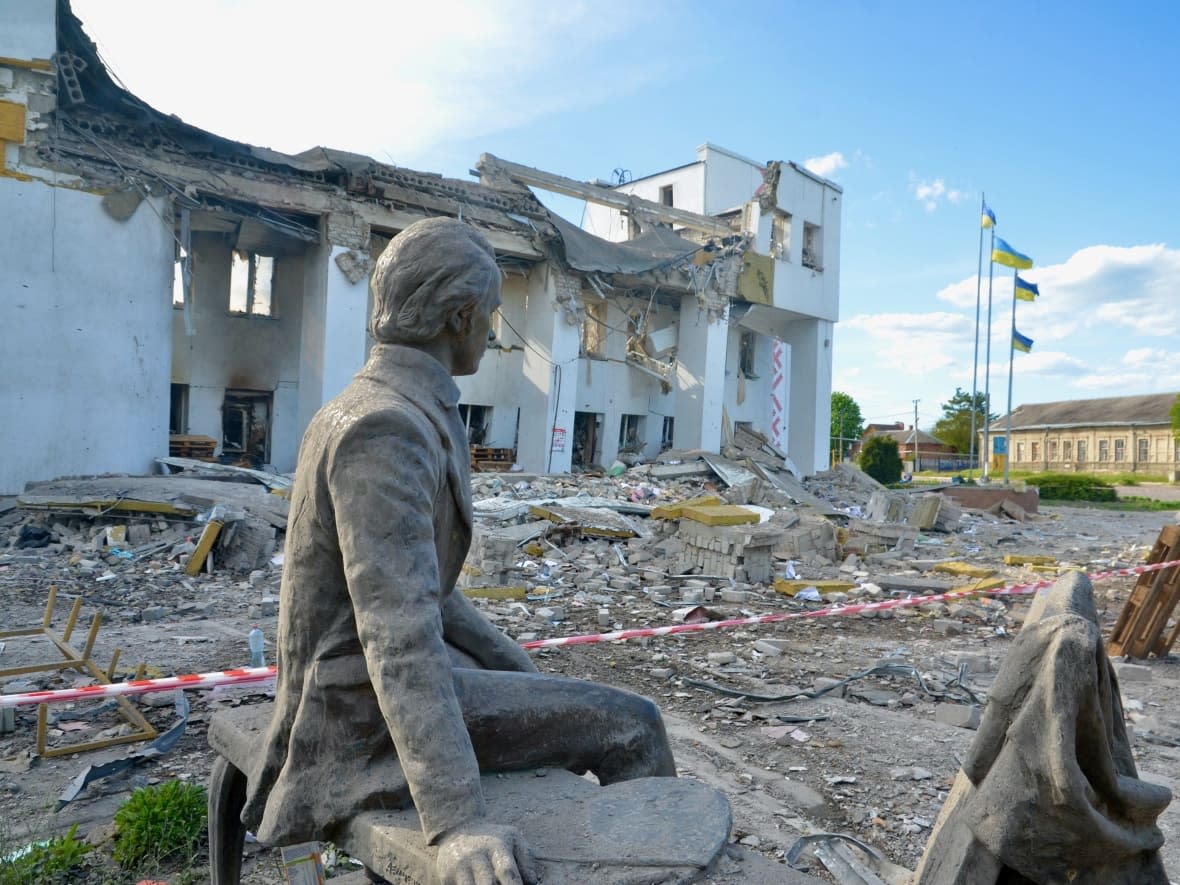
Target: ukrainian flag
column 1020, row 342
column 988, row 219
column 1009, row 257
column 1025, row 290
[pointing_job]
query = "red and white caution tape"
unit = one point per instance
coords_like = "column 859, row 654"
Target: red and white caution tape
column 261, row 675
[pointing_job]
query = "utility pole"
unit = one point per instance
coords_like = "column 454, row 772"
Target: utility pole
column 916, row 434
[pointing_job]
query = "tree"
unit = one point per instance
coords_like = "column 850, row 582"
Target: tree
column 954, row 427
column 1175, row 413
column 847, row 423
column 880, row 459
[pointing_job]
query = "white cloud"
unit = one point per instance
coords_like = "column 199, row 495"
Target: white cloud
column 394, row 80
column 912, row 342
column 931, row 193
column 826, row 165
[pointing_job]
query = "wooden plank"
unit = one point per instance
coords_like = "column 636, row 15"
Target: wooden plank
column 198, row 557
column 1139, row 630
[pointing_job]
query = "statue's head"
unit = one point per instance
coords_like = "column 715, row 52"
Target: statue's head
column 435, row 284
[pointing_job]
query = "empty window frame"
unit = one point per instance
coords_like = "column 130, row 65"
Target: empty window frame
column 666, row 433
column 478, row 422
column 1081, row 451
column 1067, row 450
column 251, row 284
column 780, row 235
column 178, row 409
column 594, row 329
column 1034, row 451
column 812, row 246
column 1051, row 450
column 245, row 426
column 666, row 198
column 1144, row 449
column 747, row 354
column 1103, row 450
column 1120, row 450
column 631, row 433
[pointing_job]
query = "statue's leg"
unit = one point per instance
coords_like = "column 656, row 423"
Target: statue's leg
column 528, row 720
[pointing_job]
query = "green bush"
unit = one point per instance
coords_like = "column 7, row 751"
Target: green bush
column 880, row 460
column 1072, row 487
column 159, row 823
column 51, row 862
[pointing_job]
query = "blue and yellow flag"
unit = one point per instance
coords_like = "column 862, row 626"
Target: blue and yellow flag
column 1009, row 257
column 1025, row 290
column 1020, row 342
column 988, row 219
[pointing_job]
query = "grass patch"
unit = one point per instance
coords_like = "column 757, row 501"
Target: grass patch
column 1129, row 504
column 158, row 824
column 1073, row 487
column 53, row 862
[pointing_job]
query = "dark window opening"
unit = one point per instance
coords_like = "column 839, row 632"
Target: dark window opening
column 477, row 420
column 631, row 434
column 666, row 433
column 245, row 427
column 178, row 409
column 666, row 195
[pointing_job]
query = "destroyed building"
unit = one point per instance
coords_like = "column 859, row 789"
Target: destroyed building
column 169, row 286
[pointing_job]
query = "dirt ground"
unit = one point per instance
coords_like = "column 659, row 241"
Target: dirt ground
column 869, row 759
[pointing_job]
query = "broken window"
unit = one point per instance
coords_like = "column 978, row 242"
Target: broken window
column 812, row 246
column 1144, row 453
column 1051, row 450
column 594, row 329
column 478, row 422
column 747, row 345
column 178, row 409
column 587, row 433
column 780, row 235
column 1103, row 450
column 245, row 426
column 177, row 286
column 1120, row 450
column 666, row 195
column 251, row 280
column 1067, row 450
column 1081, row 451
column 631, row 433
column 666, row 433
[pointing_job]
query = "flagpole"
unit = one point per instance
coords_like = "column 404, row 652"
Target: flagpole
column 975, row 360
column 1011, row 360
column 987, row 370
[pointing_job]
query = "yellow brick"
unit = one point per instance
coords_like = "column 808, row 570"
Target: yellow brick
column 1045, row 569
column 720, row 514
column 496, row 592
column 676, row 510
column 986, row 584
column 790, row 588
column 1028, row 559
column 964, row 569
column 12, row 122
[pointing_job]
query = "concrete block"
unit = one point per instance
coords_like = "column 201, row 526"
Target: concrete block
column 947, row 627
column 722, row 657
column 771, row 647
column 721, row 514
column 958, row 715
column 1128, row 672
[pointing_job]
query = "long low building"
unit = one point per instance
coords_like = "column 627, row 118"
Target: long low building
column 1116, row 434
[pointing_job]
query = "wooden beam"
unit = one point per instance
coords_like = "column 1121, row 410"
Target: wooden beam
column 492, row 167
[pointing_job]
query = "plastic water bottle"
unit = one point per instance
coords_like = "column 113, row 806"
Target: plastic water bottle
column 257, row 644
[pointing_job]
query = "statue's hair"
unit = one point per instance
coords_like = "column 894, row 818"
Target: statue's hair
column 429, row 272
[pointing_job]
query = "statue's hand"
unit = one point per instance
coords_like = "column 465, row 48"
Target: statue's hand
column 480, row 853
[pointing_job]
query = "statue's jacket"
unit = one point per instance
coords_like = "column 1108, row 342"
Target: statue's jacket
column 365, row 709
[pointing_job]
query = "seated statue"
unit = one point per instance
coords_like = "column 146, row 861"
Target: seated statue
column 391, row 686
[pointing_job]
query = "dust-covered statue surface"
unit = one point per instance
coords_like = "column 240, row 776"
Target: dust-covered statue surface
column 391, row 685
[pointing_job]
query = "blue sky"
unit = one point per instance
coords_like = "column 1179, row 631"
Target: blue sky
column 1065, row 114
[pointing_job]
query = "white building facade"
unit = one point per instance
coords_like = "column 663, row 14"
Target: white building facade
column 768, row 361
